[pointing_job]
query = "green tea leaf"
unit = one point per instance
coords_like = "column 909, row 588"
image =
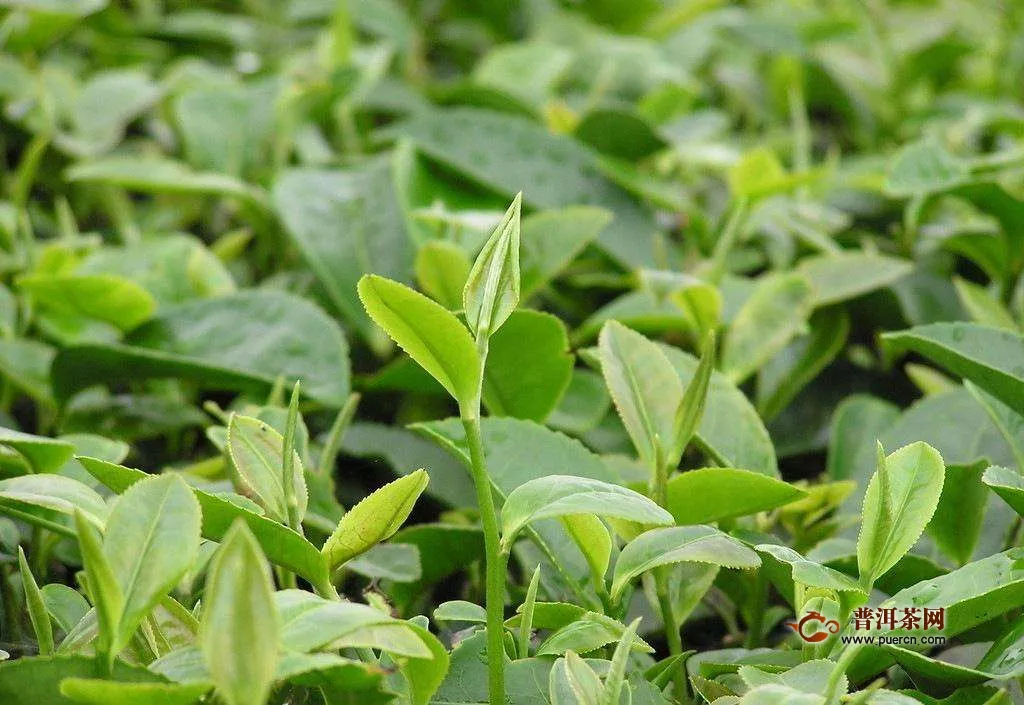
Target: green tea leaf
column 900, row 501
column 374, row 519
column 442, row 269
column 528, row 366
column 240, row 629
column 646, row 390
column 43, row 455
column 924, row 167
column 1003, row 659
column 257, row 455
column 492, row 289
column 971, row 595
column 39, row 497
column 161, row 175
column 591, row 631
column 103, row 586
column 730, row 431
column 562, row 495
column 573, row 682
column 37, row 612
column 711, row 494
column 991, row 358
column 151, row 540
column 101, row 297
column 593, row 541
column 960, row 514
column 776, row 311
column 430, row 334
column 346, row 223
column 282, row 545
column 551, row 239
column 1008, row 484
column 93, row 691
column 658, row 547
column 210, row 342
column 34, row 681
column 509, row 153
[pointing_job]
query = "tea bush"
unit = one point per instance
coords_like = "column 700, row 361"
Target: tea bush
column 530, row 352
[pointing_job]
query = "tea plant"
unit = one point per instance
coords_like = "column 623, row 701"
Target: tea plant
column 529, row 353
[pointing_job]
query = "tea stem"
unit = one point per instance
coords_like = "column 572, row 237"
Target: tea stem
column 494, row 562
column 727, row 240
column 675, row 641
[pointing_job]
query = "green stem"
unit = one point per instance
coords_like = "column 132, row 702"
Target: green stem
column 842, row 665
column 760, row 598
column 675, row 641
column 494, row 562
column 727, row 240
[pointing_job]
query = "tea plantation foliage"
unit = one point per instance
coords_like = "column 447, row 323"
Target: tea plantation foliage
column 537, row 352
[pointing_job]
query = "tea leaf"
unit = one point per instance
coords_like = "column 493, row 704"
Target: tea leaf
column 730, row 431
column 528, row 366
column 711, row 494
column 924, row 167
column 256, row 452
column 101, row 297
column 589, row 632
column 659, row 547
column 551, row 239
column 617, row 671
column 900, row 501
column 970, row 595
column 776, row 311
column 346, row 223
column 1008, row 484
column 492, row 289
column 43, row 455
column 92, row 691
column 691, row 406
column 209, row 341
column 240, row 630
column 991, row 358
column 573, row 682
column 151, row 540
column 562, row 495
column 430, row 335
column 374, row 519
column 283, row 546
column 442, row 269
column 42, row 498
column 104, row 588
column 593, row 541
column 161, row 175
column 37, row 612
column 645, row 389
column 847, row 275
column 960, row 514
column 509, row 153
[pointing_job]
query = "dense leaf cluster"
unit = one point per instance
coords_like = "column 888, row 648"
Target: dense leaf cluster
column 526, row 352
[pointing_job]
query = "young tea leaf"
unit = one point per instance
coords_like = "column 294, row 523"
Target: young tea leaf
column 900, row 501
column 37, row 612
column 646, row 390
column 562, row 495
column 240, row 628
column 492, row 289
column 257, row 455
column 430, row 334
column 374, row 519
column 151, row 540
column 677, row 544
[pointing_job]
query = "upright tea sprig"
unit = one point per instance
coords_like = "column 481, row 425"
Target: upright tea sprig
column 436, row 339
